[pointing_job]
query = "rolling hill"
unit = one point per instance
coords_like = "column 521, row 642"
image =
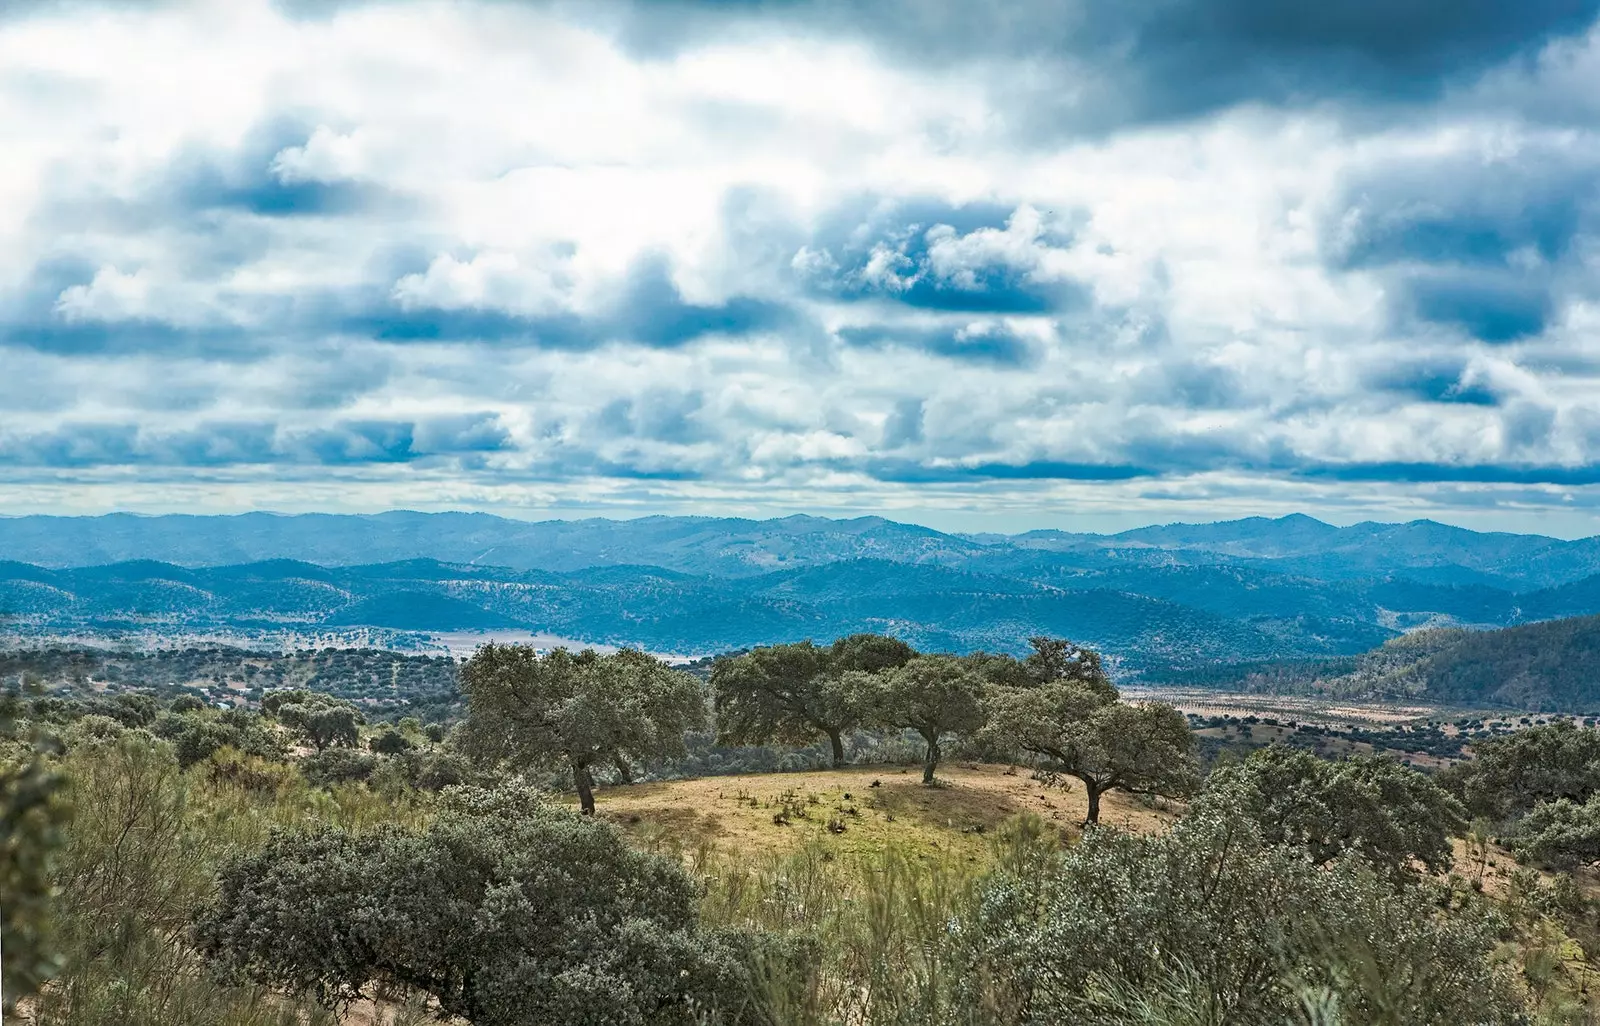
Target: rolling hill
column 1550, row 666
column 1159, row 600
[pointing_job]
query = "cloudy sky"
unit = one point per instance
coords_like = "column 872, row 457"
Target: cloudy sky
column 1084, row 263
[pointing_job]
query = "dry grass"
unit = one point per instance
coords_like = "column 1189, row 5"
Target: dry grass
column 775, row 813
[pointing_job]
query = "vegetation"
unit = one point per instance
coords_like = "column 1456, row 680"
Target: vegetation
column 503, row 911
column 1541, row 667
column 1394, row 818
column 420, row 871
column 1071, row 716
column 30, row 820
column 529, row 711
column 932, row 695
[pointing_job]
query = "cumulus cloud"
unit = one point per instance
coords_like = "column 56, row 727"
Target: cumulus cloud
column 1027, row 259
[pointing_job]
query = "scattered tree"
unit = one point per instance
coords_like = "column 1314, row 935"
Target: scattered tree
column 576, row 710
column 1083, row 730
column 787, row 694
column 322, row 720
column 390, row 742
column 934, row 695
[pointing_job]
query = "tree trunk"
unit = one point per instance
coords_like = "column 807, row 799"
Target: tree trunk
column 585, row 785
column 931, row 761
column 624, row 771
column 1094, row 804
column 838, row 748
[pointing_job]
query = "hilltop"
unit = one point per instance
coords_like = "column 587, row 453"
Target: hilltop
column 1551, row 666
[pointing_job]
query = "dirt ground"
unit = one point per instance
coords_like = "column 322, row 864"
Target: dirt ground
column 855, row 810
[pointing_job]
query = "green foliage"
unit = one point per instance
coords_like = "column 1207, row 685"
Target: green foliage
column 785, row 694
column 575, row 711
column 504, row 911
column 1510, row 775
column 1056, row 659
column 321, row 719
column 1080, row 728
column 1562, row 834
column 1390, row 815
column 390, row 742
column 934, row 695
column 868, row 653
column 31, row 815
column 138, row 854
column 1241, row 929
column 338, row 766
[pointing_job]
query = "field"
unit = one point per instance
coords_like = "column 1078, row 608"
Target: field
column 856, row 810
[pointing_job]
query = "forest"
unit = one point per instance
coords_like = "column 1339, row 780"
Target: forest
column 845, row 833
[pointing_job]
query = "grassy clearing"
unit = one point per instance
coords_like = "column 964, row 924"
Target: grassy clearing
column 844, row 813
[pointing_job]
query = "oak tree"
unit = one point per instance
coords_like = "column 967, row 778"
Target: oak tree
column 1083, row 730
column 576, row 710
column 934, row 695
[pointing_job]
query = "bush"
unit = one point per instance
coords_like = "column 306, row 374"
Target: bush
column 1242, row 930
column 505, row 911
column 338, row 766
column 389, row 742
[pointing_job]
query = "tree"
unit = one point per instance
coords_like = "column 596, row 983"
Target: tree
column 934, row 695
column 1561, row 835
column 788, row 694
column 321, row 719
column 576, row 710
column 1056, row 659
column 390, row 742
column 1084, row 731
column 1389, row 814
column 868, row 653
column 338, row 766
column 1510, row 775
column 503, row 910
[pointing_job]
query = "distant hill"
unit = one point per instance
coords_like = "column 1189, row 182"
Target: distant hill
column 706, row 545
column 932, row 606
column 1175, row 598
column 1297, row 546
column 1552, row 666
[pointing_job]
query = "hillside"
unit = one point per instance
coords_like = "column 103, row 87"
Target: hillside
column 1295, row 545
column 1552, row 666
column 931, row 606
column 1147, row 618
column 1163, row 600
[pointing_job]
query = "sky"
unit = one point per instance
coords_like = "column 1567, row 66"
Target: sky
column 1083, row 264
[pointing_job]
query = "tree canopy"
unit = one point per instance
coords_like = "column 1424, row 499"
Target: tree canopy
column 506, row 912
column 1510, row 775
column 1390, row 815
column 1082, row 729
column 1562, row 834
column 934, row 695
column 321, row 719
column 576, row 710
column 795, row 694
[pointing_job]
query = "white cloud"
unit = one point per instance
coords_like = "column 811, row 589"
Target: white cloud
column 321, row 187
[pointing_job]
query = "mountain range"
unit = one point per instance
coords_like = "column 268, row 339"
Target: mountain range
column 1156, row 599
column 1295, row 545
